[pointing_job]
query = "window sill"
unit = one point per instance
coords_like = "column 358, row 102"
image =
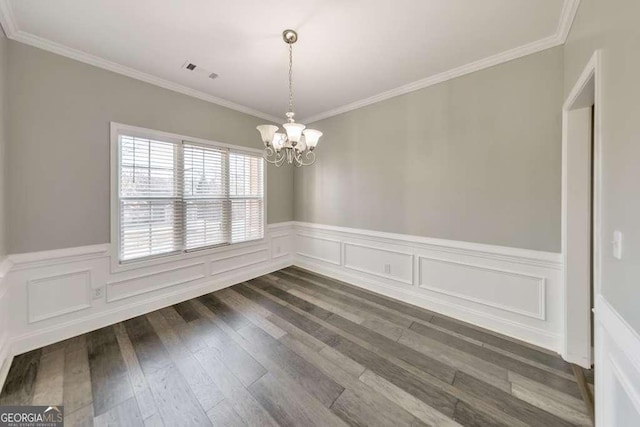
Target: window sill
column 118, row 267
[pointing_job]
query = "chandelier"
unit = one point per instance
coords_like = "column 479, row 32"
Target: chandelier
column 296, row 144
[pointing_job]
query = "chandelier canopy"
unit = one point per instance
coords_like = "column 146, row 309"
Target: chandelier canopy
column 296, row 144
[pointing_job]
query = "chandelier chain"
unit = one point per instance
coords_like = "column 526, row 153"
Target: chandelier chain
column 290, row 77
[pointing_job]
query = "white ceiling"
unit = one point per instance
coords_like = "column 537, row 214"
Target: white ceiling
column 350, row 52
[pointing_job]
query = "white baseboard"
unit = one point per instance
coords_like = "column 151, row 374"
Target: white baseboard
column 53, row 294
column 512, row 291
column 617, row 362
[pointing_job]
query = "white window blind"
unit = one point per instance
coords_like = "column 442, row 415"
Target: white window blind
column 245, row 190
column 205, row 197
column 150, row 218
column 177, row 197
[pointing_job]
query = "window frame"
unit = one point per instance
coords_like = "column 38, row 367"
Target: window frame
column 117, row 129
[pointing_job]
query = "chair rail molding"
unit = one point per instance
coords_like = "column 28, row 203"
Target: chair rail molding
column 58, row 294
column 516, row 292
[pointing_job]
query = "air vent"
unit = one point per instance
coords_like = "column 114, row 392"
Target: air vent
column 190, row 66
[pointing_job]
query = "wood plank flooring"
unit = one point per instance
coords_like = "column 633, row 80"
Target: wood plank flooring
column 294, row 348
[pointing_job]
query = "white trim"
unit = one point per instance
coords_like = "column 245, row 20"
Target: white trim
column 58, row 332
column 150, row 288
column 117, row 129
column 44, row 258
column 592, row 70
column 345, row 262
column 514, row 315
column 34, row 317
column 15, row 262
column 626, row 338
column 143, row 132
column 541, row 281
column 569, row 10
column 246, row 264
column 618, row 367
column 11, row 29
column 568, row 14
column 276, row 226
column 550, row 259
column 5, row 265
column 308, row 236
column 111, row 285
column 472, row 67
column 147, row 296
column 536, row 336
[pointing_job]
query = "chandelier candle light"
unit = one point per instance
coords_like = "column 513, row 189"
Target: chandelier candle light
column 296, row 144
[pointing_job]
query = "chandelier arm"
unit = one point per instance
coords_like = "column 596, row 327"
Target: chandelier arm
column 297, row 159
column 273, row 162
column 268, row 154
column 274, row 157
column 310, row 156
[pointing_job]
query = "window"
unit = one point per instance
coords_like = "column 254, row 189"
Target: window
column 178, row 196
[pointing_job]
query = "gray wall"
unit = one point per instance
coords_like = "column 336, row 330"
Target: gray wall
column 477, row 159
column 613, row 27
column 3, row 139
column 58, row 174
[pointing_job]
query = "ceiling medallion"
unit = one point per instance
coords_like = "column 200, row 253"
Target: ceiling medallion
column 296, row 144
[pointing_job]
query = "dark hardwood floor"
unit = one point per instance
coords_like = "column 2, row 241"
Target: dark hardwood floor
column 297, row 349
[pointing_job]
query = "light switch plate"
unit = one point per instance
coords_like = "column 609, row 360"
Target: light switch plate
column 617, row 244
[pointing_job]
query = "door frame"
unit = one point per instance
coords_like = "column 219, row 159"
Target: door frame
column 591, row 75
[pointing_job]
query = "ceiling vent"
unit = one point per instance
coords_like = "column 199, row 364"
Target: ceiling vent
column 190, row 66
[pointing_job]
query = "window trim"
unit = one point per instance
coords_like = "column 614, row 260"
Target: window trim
column 116, row 129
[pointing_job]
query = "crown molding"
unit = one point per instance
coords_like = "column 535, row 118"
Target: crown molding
column 568, row 13
column 12, row 31
column 7, row 19
column 472, row 67
column 569, row 10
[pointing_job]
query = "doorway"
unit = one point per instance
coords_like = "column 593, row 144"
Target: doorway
column 581, row 213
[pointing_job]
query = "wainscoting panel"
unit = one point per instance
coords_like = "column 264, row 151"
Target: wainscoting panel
column 515, row 292
column 319, row 248
column 282, row 245
column 385, row 263
column 617, row 361
column 58, row 294
column 239, row 260
column 512, row 291
column 155, row 280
